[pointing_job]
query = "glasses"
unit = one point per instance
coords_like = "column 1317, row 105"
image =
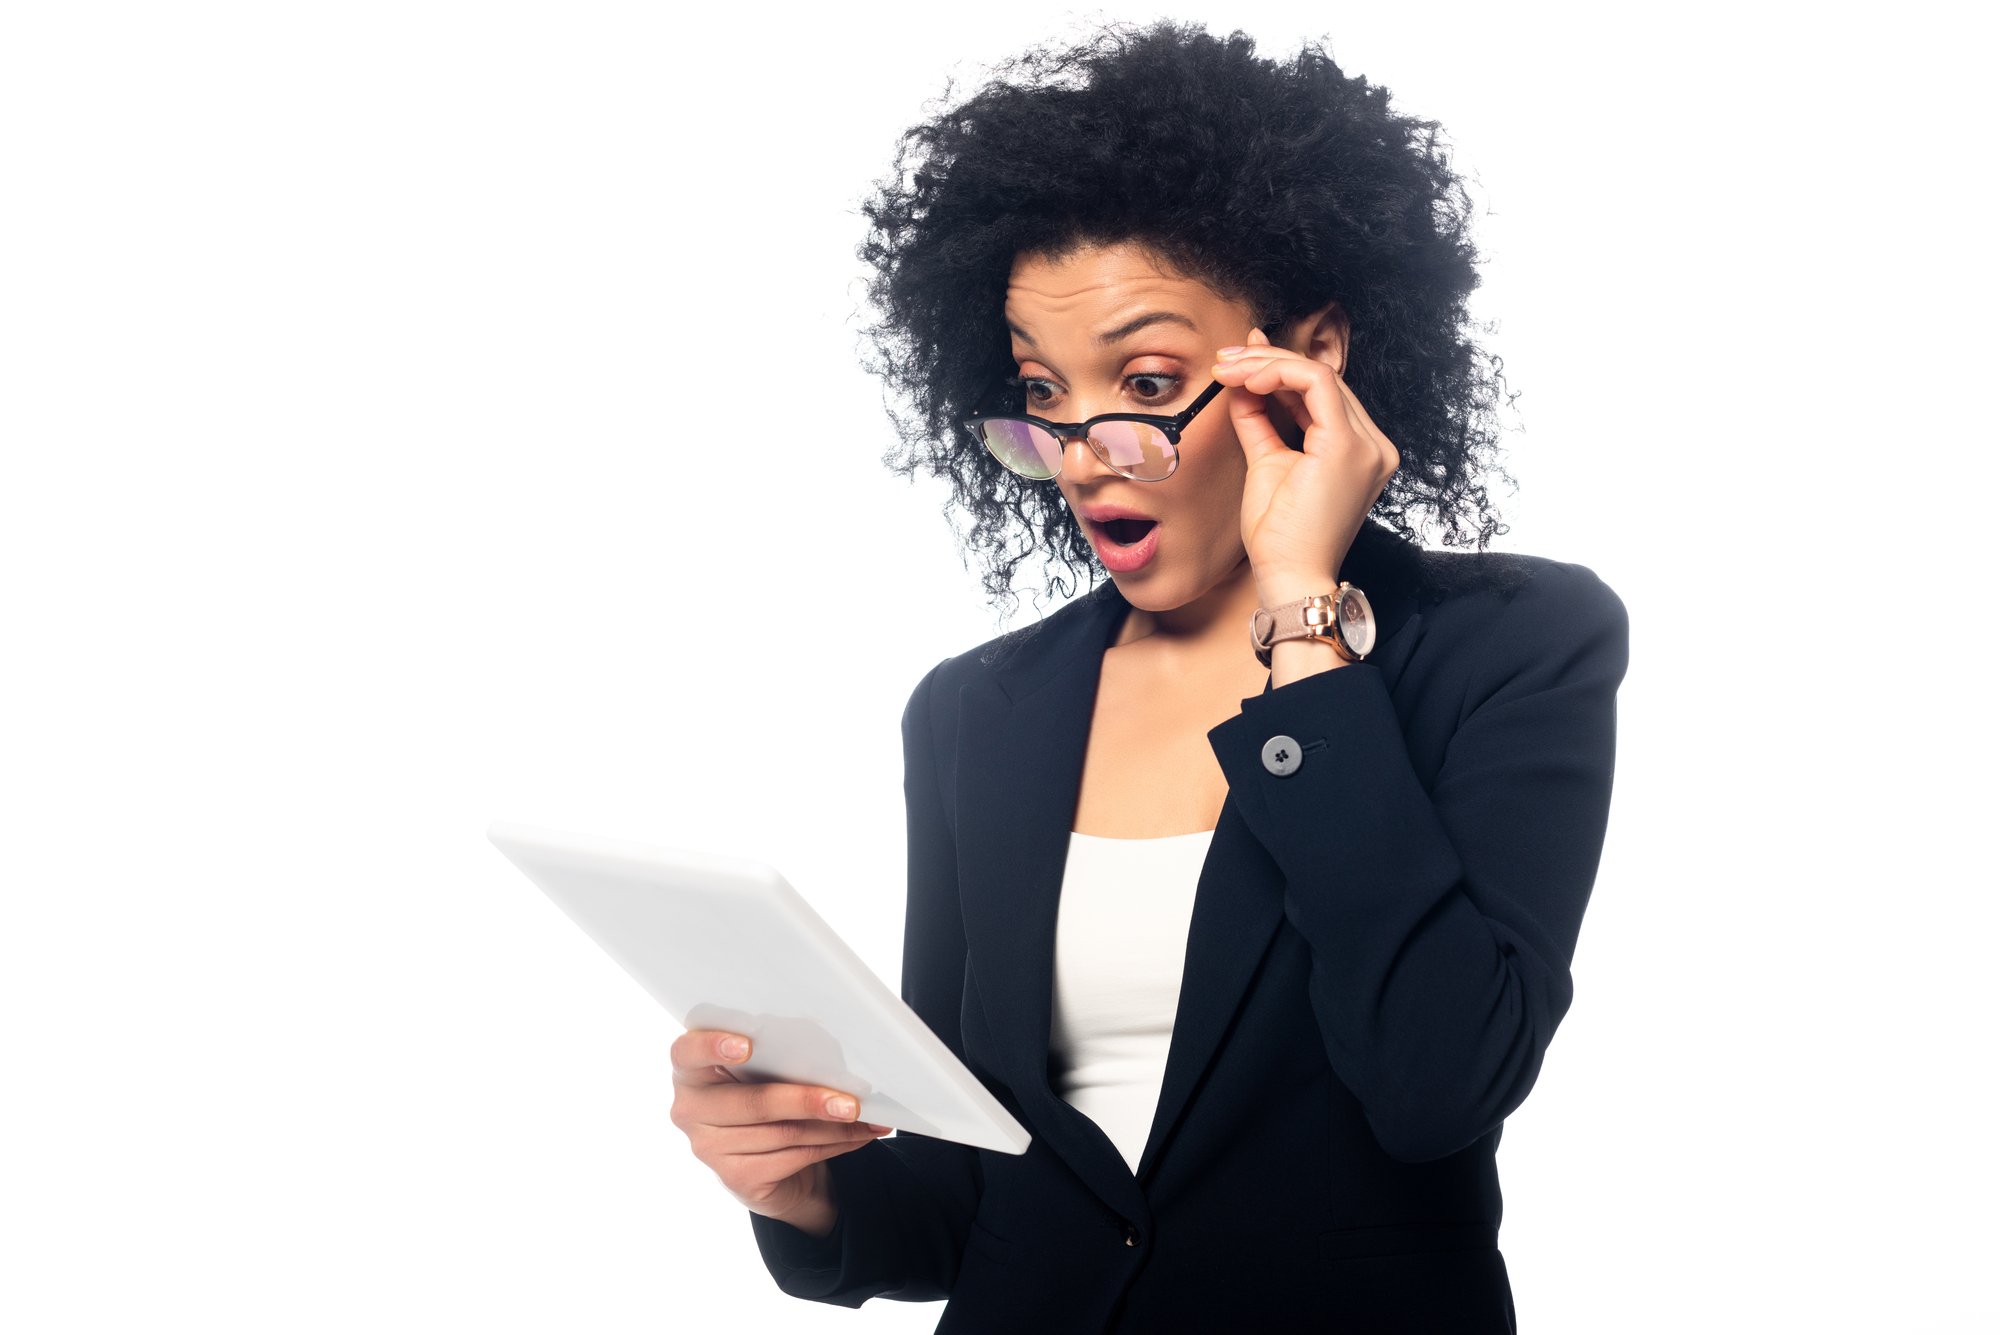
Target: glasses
column 1142, row 446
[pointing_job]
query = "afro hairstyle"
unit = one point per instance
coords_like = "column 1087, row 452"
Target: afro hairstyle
column 1281, row 184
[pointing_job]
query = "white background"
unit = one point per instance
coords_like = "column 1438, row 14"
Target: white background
column 418, row 414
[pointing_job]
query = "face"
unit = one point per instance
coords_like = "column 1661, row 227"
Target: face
column 1058, row 313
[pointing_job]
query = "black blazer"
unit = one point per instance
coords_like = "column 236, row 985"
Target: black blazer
column 1378, row 958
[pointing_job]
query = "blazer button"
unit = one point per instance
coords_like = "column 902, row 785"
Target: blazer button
column 1281, row 755
column 1131, row 1236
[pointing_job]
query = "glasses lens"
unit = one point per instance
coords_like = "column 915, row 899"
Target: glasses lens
column 1021, row 446
column 1135, row 449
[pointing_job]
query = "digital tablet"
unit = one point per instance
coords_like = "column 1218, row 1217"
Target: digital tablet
column 727, row 943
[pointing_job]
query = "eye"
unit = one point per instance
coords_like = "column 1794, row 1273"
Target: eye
column 1028, row 387
column 1149, row 387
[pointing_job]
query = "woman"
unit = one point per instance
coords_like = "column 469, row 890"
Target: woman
column 1261, row 925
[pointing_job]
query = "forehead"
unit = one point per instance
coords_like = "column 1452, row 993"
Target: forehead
column 1093, row 289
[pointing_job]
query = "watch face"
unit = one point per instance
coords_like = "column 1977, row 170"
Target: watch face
column 1357, row 621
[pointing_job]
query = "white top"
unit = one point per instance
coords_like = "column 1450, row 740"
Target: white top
column 1121, row 939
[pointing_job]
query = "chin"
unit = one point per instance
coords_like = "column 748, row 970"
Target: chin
column 1148, row 592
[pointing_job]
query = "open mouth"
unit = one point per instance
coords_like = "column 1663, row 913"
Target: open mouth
column 1125, row 532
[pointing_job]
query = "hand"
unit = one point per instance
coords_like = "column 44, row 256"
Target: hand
column 1301, row 508
column 766, row 1140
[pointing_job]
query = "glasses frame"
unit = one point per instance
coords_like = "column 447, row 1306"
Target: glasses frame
column 1168, row 424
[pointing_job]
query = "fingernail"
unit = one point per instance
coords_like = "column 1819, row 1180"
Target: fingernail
column 1232, row 352
column 735, row 1049
column 878, row 1129
column 841, row 1106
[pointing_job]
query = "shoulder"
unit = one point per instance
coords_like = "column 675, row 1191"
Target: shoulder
column 1507, row 615
column 1475, row 585
column 1081, row 617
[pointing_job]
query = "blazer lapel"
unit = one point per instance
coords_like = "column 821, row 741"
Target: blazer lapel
column 1239, row 901
column 1022, row 731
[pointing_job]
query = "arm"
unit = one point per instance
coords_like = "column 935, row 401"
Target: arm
column 904, row 1203
column 1442, row 923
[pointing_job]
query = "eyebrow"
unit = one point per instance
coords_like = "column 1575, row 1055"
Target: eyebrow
column 1126, row 330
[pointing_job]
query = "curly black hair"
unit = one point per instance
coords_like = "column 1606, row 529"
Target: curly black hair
column 1280, row 184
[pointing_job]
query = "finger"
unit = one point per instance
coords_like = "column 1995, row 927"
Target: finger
column 776, row 1101
column 777, row 1165
column 1291, row 403
column 1313, row 380
column 1363, row 421
column 699, row 1058
column 1363, row 425
column 763, row 1137
column 1250, row 415
column 1296, row 406
column 1387, row 458
column 1358, row 419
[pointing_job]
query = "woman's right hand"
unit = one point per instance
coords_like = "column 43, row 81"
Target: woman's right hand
column 767, row 1140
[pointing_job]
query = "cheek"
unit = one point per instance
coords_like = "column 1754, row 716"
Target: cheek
column 1215, row 466
column 1207, row 503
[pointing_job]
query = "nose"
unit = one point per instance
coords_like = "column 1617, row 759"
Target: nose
column 1090, row 457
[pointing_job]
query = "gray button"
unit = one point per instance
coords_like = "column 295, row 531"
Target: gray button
column 1281, row 755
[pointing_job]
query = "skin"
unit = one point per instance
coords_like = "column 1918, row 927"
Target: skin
column 767, row 1140
column 1245, row 521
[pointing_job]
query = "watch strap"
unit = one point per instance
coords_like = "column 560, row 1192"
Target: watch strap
column 1310, row 617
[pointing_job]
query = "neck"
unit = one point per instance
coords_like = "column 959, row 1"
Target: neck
column 1219, row 620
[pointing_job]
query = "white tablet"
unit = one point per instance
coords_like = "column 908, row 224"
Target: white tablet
column 726, row 943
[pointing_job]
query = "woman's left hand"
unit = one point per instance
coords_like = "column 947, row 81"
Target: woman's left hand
column 1301, row 508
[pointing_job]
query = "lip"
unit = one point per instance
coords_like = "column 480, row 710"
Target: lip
column 1122, row 560
column 1097, row 514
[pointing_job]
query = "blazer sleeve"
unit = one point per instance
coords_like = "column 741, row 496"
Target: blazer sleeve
column 1442, row 923
column 905, row 1201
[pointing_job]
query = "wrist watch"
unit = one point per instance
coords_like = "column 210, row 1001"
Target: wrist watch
column 1342, row 618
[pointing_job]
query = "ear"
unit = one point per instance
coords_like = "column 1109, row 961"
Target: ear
column 1322, row 336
